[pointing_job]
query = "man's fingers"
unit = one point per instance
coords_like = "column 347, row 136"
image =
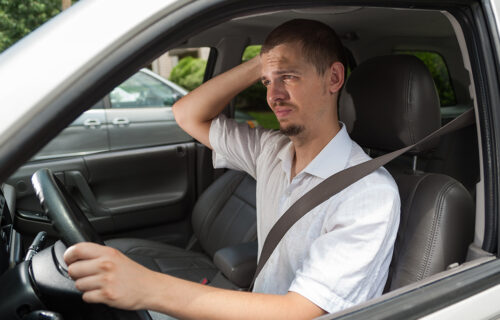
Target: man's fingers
column 89, row 283
column 93, row 296
column 83, row 251
column 104, row 295
column 85, row 268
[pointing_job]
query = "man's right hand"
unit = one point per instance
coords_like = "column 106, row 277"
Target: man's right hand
column 195, row 111
column 105, row 275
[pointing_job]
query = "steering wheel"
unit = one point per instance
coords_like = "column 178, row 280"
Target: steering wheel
column 72, row 225
column 67, row 218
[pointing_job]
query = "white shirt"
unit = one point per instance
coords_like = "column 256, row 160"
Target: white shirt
column 339, row 253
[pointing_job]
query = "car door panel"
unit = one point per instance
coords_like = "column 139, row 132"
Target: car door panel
column 120, row 192
column 135, row 127
column 146, row 183
column 88, row 133
column 21, row 179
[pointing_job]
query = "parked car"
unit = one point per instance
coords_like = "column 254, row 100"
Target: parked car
column 124, row 118
column 148, row 191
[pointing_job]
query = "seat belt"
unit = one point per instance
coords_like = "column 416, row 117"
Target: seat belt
column 339, row 181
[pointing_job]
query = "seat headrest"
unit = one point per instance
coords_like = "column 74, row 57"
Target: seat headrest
column 390, row 102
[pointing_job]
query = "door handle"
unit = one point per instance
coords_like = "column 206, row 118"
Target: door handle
column 91, row 123
column 76, row 179
column 121, row 122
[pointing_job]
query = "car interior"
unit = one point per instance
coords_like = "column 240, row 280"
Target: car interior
column 165, row 206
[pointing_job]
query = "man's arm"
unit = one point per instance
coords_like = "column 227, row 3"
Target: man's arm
column 105, row 275
column 195, row 111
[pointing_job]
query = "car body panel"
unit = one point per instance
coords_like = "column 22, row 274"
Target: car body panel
column 87, row 134
column 110, row 125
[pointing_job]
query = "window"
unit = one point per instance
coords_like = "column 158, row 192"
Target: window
column 143, row 90
column 137, row 113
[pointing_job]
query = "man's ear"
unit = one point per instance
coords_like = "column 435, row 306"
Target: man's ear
column 336, row 74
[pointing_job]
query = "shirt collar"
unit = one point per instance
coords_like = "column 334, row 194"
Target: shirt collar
column 332, row 158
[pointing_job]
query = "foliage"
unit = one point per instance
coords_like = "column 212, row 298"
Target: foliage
column 439, row 72
column 250, row 52
column 189, row 72
column 254, row 97
column 20, row 17
column 265, row 119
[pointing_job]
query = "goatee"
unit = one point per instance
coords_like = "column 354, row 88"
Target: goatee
column 291, row 130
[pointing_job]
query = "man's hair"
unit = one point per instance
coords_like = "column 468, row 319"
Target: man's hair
column 320, row 44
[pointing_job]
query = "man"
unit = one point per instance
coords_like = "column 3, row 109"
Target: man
column 335, row 256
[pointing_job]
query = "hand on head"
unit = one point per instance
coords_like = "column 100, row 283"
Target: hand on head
column 105, row 275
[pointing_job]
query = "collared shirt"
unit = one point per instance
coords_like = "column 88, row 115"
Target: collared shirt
column 339, row 253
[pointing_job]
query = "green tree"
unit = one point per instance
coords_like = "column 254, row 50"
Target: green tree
column 20, row 17
column 189, row 72
column 254, row 97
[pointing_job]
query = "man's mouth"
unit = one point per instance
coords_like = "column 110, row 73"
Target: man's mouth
column 282, row 111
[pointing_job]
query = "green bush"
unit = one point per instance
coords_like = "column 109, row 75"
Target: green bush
column 189, row 72
column 254, row 97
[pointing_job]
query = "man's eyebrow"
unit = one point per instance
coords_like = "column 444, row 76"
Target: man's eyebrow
column 285, row 71
column 281, row 72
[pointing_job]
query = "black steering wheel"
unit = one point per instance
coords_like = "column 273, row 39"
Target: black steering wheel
column 73, row 227
column 67, row 218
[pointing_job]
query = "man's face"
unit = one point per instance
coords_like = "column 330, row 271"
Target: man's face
column 300, row 98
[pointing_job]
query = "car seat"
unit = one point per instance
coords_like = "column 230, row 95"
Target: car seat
column 390, row 102
column 223, row 216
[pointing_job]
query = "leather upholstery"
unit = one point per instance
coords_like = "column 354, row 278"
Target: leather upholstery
column 390, row 102
column 165, row 258
column 238, row 263
column 437, row 225
column 223, row 216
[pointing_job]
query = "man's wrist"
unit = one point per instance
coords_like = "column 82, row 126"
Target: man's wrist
column 152, row 293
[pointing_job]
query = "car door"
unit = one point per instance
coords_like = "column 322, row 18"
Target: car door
column 140, row 112
column 133, row 174
column 88, row 133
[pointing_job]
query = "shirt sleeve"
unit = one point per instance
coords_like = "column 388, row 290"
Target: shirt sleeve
column 235, row 145
column 349, row 262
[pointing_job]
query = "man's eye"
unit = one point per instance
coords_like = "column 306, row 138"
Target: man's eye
column 288, row 77
column 265, row 82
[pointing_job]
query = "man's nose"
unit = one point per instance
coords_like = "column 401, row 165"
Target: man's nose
column 276, row 92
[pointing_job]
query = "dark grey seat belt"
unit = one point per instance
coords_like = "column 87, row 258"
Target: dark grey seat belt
column 339, row 181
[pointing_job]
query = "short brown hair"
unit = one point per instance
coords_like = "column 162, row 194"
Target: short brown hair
column 320, row 44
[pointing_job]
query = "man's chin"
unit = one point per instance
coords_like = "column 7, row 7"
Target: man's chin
column 291, row 130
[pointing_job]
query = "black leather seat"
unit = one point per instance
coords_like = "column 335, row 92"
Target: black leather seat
column 223, row 216
column 390, row 102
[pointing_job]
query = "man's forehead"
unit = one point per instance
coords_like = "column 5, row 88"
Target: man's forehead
column 283, row 56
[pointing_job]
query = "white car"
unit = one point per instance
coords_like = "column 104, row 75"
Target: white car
column 445, row 264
